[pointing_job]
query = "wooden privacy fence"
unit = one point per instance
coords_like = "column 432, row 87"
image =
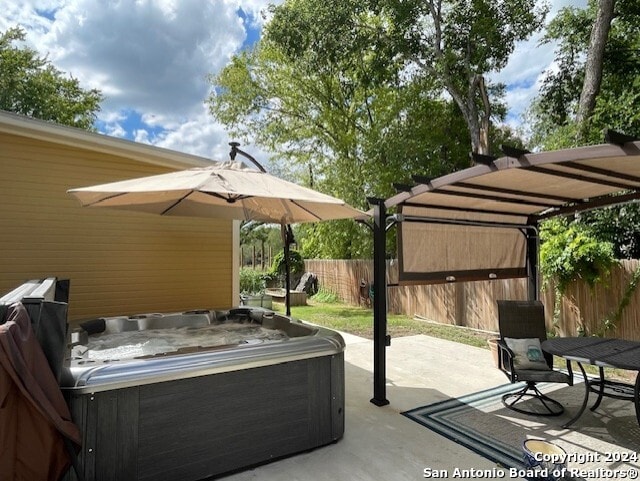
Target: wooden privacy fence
column 473, row 304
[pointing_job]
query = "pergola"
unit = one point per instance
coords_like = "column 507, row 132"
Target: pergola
column 482, row 222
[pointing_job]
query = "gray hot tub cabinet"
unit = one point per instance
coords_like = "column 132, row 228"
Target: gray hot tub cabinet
column 200, row 415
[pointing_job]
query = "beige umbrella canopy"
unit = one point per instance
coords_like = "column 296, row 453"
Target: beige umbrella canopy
column 227, row 190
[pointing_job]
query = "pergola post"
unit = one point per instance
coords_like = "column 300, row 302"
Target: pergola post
column 379, row 302
column 533, row 248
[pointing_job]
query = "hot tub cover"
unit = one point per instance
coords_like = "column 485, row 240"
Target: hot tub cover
column 34, row 418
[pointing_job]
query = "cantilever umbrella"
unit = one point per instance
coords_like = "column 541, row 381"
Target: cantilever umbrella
column 227, row 190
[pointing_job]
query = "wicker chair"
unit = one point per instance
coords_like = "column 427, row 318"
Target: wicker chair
column 522, row 322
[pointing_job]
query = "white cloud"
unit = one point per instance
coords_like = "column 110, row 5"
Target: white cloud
column 199, row 135
column 150, row 58
column 115, row 130
column 525, row 71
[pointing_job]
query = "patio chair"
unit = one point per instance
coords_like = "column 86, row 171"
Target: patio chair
column 520, row 357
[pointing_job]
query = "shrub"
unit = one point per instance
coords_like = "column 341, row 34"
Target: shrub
column 572, row 251
column 295, row 261
column 251, row 281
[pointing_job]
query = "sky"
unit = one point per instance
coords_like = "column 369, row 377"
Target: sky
column 151, row 60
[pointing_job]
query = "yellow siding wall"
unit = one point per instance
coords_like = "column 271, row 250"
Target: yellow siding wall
column 118, row 262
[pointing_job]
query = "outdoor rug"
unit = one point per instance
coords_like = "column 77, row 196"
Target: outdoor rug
column 607, row 439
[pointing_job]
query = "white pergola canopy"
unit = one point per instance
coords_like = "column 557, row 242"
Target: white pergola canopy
column 468, row 225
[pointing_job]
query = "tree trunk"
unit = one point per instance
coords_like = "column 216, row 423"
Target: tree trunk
column 484, row 147
column 469, row 111
column 475, row 131
column 478, row 122
column 593, row 66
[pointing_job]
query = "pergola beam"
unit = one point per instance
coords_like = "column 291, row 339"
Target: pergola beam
column 513, row 151
column 591, row 204
column 617, row 138
column 402, row 187
column 482, row 159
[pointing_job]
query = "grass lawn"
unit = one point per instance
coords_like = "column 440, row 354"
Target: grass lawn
column 359, row 321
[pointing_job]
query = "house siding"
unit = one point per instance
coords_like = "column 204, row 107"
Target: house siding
column 118, row 262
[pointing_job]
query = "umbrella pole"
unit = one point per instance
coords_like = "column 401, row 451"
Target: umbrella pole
column 287, row 266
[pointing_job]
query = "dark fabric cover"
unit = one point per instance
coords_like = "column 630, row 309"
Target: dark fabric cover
column 49, row 323
column 34, row 418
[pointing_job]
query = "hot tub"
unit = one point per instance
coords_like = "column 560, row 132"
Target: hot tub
column 191, row 410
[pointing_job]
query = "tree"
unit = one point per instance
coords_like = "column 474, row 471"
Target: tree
column 342, row 93
column 453, row 43
column 559, row 117
column 338, row 115
column 595, row 60
column 31, row 85
column 619, row 225
column 458, row 42
column 554, row 114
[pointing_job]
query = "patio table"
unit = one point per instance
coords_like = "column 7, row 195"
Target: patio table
column 617, row 353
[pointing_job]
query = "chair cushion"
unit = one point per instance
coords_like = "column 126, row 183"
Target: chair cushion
column 527, row 354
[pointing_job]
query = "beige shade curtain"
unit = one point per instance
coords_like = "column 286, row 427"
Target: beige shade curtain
column 435, row 253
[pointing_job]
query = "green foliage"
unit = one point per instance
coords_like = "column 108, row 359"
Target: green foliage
column 552, row 114
column 572, row 251
column 30, row 85
column 252, row 281
column 296, row 263
column 620, row 225
column 334, row 91
column 335, row 240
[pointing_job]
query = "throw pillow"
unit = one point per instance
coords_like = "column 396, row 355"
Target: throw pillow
column 527, row 354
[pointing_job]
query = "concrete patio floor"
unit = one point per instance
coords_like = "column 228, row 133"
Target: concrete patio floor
column 379, row 443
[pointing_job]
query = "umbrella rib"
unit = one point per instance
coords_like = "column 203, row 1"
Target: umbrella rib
column 306, row 210
column 177, row 202
column 230, row 200
column 99, row 201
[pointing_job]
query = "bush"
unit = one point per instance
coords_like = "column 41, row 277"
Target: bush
column 572, row 251
column 295, row 261
column 251, row 281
